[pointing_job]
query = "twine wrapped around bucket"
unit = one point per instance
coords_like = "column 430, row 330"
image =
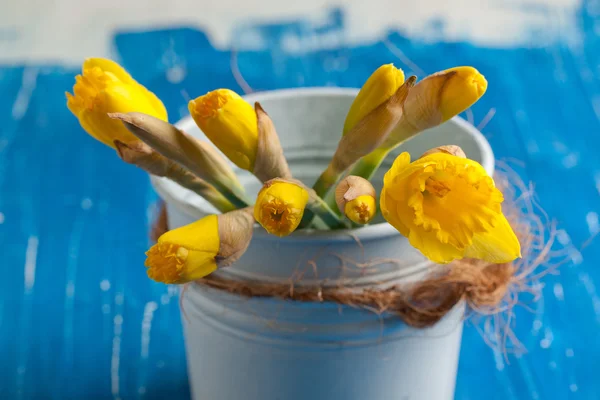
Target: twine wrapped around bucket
column 487, row 288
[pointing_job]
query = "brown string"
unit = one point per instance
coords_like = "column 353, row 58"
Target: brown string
column 420, row 305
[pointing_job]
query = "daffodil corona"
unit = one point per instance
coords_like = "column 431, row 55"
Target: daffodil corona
column 448, row 208
column 279, row 206
column 105, row 87
column 198, row 249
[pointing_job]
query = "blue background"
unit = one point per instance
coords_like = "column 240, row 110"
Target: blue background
column 79, row 318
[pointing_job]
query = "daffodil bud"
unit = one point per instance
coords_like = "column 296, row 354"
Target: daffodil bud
column 146, row 158
column 105, row 87
column 244, row 134
column 355, row 198
column 280, row 206
column 230, row 123
column 432, row 101
column 195, row 155
column 436, row 99
column 380, row 86
column 448, row 208
column 370, row 132
column 198, row 249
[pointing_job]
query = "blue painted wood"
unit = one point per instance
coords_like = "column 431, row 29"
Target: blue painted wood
column 79, row 318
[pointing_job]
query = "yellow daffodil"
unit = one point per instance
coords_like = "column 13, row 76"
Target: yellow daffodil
column 355, row 198
column 105, row 87
column 230, row 123
column 279, row 206
column 198, row 249
column 380, row 86
column 449, row 208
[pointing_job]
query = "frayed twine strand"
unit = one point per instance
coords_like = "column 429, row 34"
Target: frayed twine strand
column 490, row 291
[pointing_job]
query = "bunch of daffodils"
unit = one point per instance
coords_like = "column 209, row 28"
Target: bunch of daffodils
column 445, row 204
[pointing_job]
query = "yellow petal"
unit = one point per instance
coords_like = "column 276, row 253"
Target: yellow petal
column 432, row 248
column 230, row 123
column 103, row 129
column 380, row 86
column 400, row 163
column 74, row 104
column 202, row 235
column 110, row 66
column 203, row 264
column 498, row 245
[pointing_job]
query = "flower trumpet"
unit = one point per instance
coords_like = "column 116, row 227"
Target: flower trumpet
column 448, row 208
column 198, row 249
column 279, row 206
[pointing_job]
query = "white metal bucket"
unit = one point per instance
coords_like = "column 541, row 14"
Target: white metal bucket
column 262, row 349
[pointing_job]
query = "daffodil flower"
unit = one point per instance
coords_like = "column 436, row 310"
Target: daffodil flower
column 105, row 87
column 198, row 249
column 448, row 208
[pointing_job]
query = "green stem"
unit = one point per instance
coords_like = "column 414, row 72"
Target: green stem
column 234, row 194
column 327, row 179
column 307, row 219
column 320, row 208
column 331, row 203
column 197, row 185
